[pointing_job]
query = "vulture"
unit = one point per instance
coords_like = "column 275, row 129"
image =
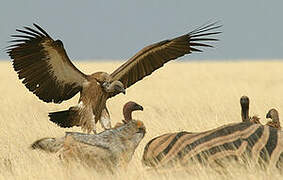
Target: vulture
column 46, row 70
column 128, row 108
column 245, row 102
column 273, row 115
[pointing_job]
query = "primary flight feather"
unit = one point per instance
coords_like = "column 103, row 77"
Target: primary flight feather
column 47, row 71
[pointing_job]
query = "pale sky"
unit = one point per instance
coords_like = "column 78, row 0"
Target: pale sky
column 90, row 29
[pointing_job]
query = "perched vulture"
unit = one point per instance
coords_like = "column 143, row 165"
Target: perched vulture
column 46, row 70
column 273, row 115
column 245, row 103
column 128, row 108
column 109, row 149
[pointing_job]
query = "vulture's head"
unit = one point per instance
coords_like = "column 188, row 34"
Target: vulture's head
column 132, row 106
column 272, row 114
column 101, row 77
column 114, row 87
column 104, row 80
column 128, row 108
column 244, row 102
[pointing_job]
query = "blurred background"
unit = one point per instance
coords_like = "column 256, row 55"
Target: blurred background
column 118, row 29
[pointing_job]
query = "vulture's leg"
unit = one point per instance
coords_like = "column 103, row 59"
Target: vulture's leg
column 105, row 120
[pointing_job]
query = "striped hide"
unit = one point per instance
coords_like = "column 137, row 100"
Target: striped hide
column 261, row 144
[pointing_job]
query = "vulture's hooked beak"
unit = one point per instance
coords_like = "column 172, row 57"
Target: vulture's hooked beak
column 120, row 89
column 139, row 107
column 123, row 91
column 268, row 115
column 114, row 87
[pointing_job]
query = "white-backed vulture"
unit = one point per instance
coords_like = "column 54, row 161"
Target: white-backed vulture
column 128, row 108
column 109, row 149
column 47, row 71
column 245, row 103
column 274, row 116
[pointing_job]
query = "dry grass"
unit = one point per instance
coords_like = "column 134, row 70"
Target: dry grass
column 181, row 96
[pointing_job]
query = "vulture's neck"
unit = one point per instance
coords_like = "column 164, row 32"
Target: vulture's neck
column 245, row 114
column 127, row 112
column 275, row 118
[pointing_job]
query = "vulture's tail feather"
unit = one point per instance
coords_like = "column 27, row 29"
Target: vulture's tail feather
column 51, row 145
column 63, row 118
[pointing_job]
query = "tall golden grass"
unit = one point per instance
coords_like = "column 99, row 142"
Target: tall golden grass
column 191, row 96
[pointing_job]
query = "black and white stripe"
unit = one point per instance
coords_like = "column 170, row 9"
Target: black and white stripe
column 239, row 141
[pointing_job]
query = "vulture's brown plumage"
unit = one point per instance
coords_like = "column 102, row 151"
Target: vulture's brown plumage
column 128, row 108
column 47, row 71
column 274, row 116
column 245, row 103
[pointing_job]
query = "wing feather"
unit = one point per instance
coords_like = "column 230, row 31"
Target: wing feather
column 44, row 65
column 156, row 55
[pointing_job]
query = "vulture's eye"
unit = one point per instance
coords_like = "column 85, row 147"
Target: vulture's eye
column 105, row 84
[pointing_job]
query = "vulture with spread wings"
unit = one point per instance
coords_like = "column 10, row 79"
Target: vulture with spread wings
column 46, row 70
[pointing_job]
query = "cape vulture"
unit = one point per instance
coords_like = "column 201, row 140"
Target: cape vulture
column 47, row 71
column 245, row 103
column 274, row 116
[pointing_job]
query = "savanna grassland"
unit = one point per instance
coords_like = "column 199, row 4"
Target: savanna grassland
column 191, row 96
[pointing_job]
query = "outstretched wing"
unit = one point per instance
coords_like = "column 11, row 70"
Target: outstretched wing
column 44, row 65
column 156, row 55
